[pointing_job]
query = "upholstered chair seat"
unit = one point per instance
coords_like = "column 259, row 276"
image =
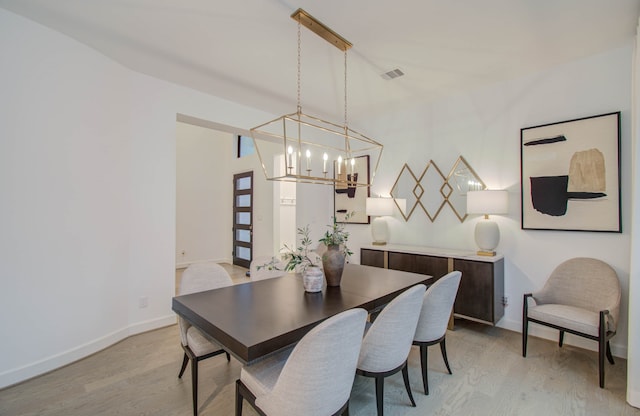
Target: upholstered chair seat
column 260, row 378
column 578, row 319
column 199, row 344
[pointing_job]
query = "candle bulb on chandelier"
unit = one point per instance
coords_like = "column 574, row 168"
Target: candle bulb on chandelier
column 308, row 160
column 325, row 157
column 339, row 164
column 353, row 164
column 290, row 152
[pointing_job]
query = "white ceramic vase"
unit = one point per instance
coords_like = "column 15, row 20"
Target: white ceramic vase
column 312, row 279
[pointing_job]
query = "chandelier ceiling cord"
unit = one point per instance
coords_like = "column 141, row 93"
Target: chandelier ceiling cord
column 313, row 140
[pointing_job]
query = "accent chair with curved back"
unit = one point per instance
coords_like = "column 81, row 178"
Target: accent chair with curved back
column 387, row 342
column 581, row 297
column 199, row 277
column 313, row 379
column 434, row 318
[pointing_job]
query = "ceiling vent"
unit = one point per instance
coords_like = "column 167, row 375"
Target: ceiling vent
column 394, row 73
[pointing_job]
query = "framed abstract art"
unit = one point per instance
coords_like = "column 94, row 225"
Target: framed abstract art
column 349, row 197
column 570, row 175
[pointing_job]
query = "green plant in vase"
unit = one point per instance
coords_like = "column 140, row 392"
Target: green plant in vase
column 305, row 260
column 303, row 255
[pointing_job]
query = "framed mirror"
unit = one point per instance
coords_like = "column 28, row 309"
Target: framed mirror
column 406, row 192
column 432, row 181
column 460, row 180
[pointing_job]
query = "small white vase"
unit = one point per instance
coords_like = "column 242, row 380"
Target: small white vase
column 312, row 279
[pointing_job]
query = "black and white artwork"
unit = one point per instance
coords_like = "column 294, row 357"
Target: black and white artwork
column 351, row 191
column 570, row 174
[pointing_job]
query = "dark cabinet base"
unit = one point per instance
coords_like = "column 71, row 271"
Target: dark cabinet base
column 481, row 293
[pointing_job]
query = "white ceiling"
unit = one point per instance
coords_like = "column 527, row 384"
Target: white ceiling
column 245, row 50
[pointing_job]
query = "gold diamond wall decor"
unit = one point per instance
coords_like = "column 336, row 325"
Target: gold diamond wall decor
column 406, row 187
column 432, row 191
column 461, row 179
column 432, row 180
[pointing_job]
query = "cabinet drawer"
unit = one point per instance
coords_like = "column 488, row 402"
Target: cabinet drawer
column 481, row 290
column 416, row 263
column 373, row 258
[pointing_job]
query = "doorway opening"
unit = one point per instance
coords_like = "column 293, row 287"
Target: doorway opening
column 212, row 222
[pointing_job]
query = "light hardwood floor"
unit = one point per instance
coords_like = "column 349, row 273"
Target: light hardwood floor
column 138, row 376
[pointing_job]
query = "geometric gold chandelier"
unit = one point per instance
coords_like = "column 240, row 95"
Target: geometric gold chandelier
column 313, row 150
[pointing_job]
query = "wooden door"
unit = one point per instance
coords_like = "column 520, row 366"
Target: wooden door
column 243, row 219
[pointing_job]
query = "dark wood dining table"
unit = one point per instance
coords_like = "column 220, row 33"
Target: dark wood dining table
column 252, row 320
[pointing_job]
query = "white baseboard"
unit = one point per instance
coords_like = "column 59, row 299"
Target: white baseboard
column 17, row 375
column 551, row 334
column 633, row 398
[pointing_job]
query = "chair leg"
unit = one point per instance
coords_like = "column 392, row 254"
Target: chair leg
column 380, row 394
column 443, row 349
column 239, row 399
column 228, row 356
column 601, row 354
column 561, row 339
column 602, row 346
column 405, row 376
column 194, row 385
column 609, row 356
column 423, row 365
column 185, row 360
column 525, row 330
column 525, row 324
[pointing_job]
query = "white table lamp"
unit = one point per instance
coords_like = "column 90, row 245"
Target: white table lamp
column 379, row 208
column 487, row 233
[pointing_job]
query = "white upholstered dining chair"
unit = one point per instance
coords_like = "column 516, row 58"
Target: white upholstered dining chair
column 312, row 379
column 436, row 309
column 581, row 297
column 387, row 342
column 199, row 277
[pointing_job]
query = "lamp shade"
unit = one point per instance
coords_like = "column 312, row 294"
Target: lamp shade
column 401, row 203
column 379, row 206
column 487, row 202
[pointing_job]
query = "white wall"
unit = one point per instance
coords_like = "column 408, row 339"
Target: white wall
column 204, row 194
column 484, row 127
column 87, row 178
column 633, row 363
